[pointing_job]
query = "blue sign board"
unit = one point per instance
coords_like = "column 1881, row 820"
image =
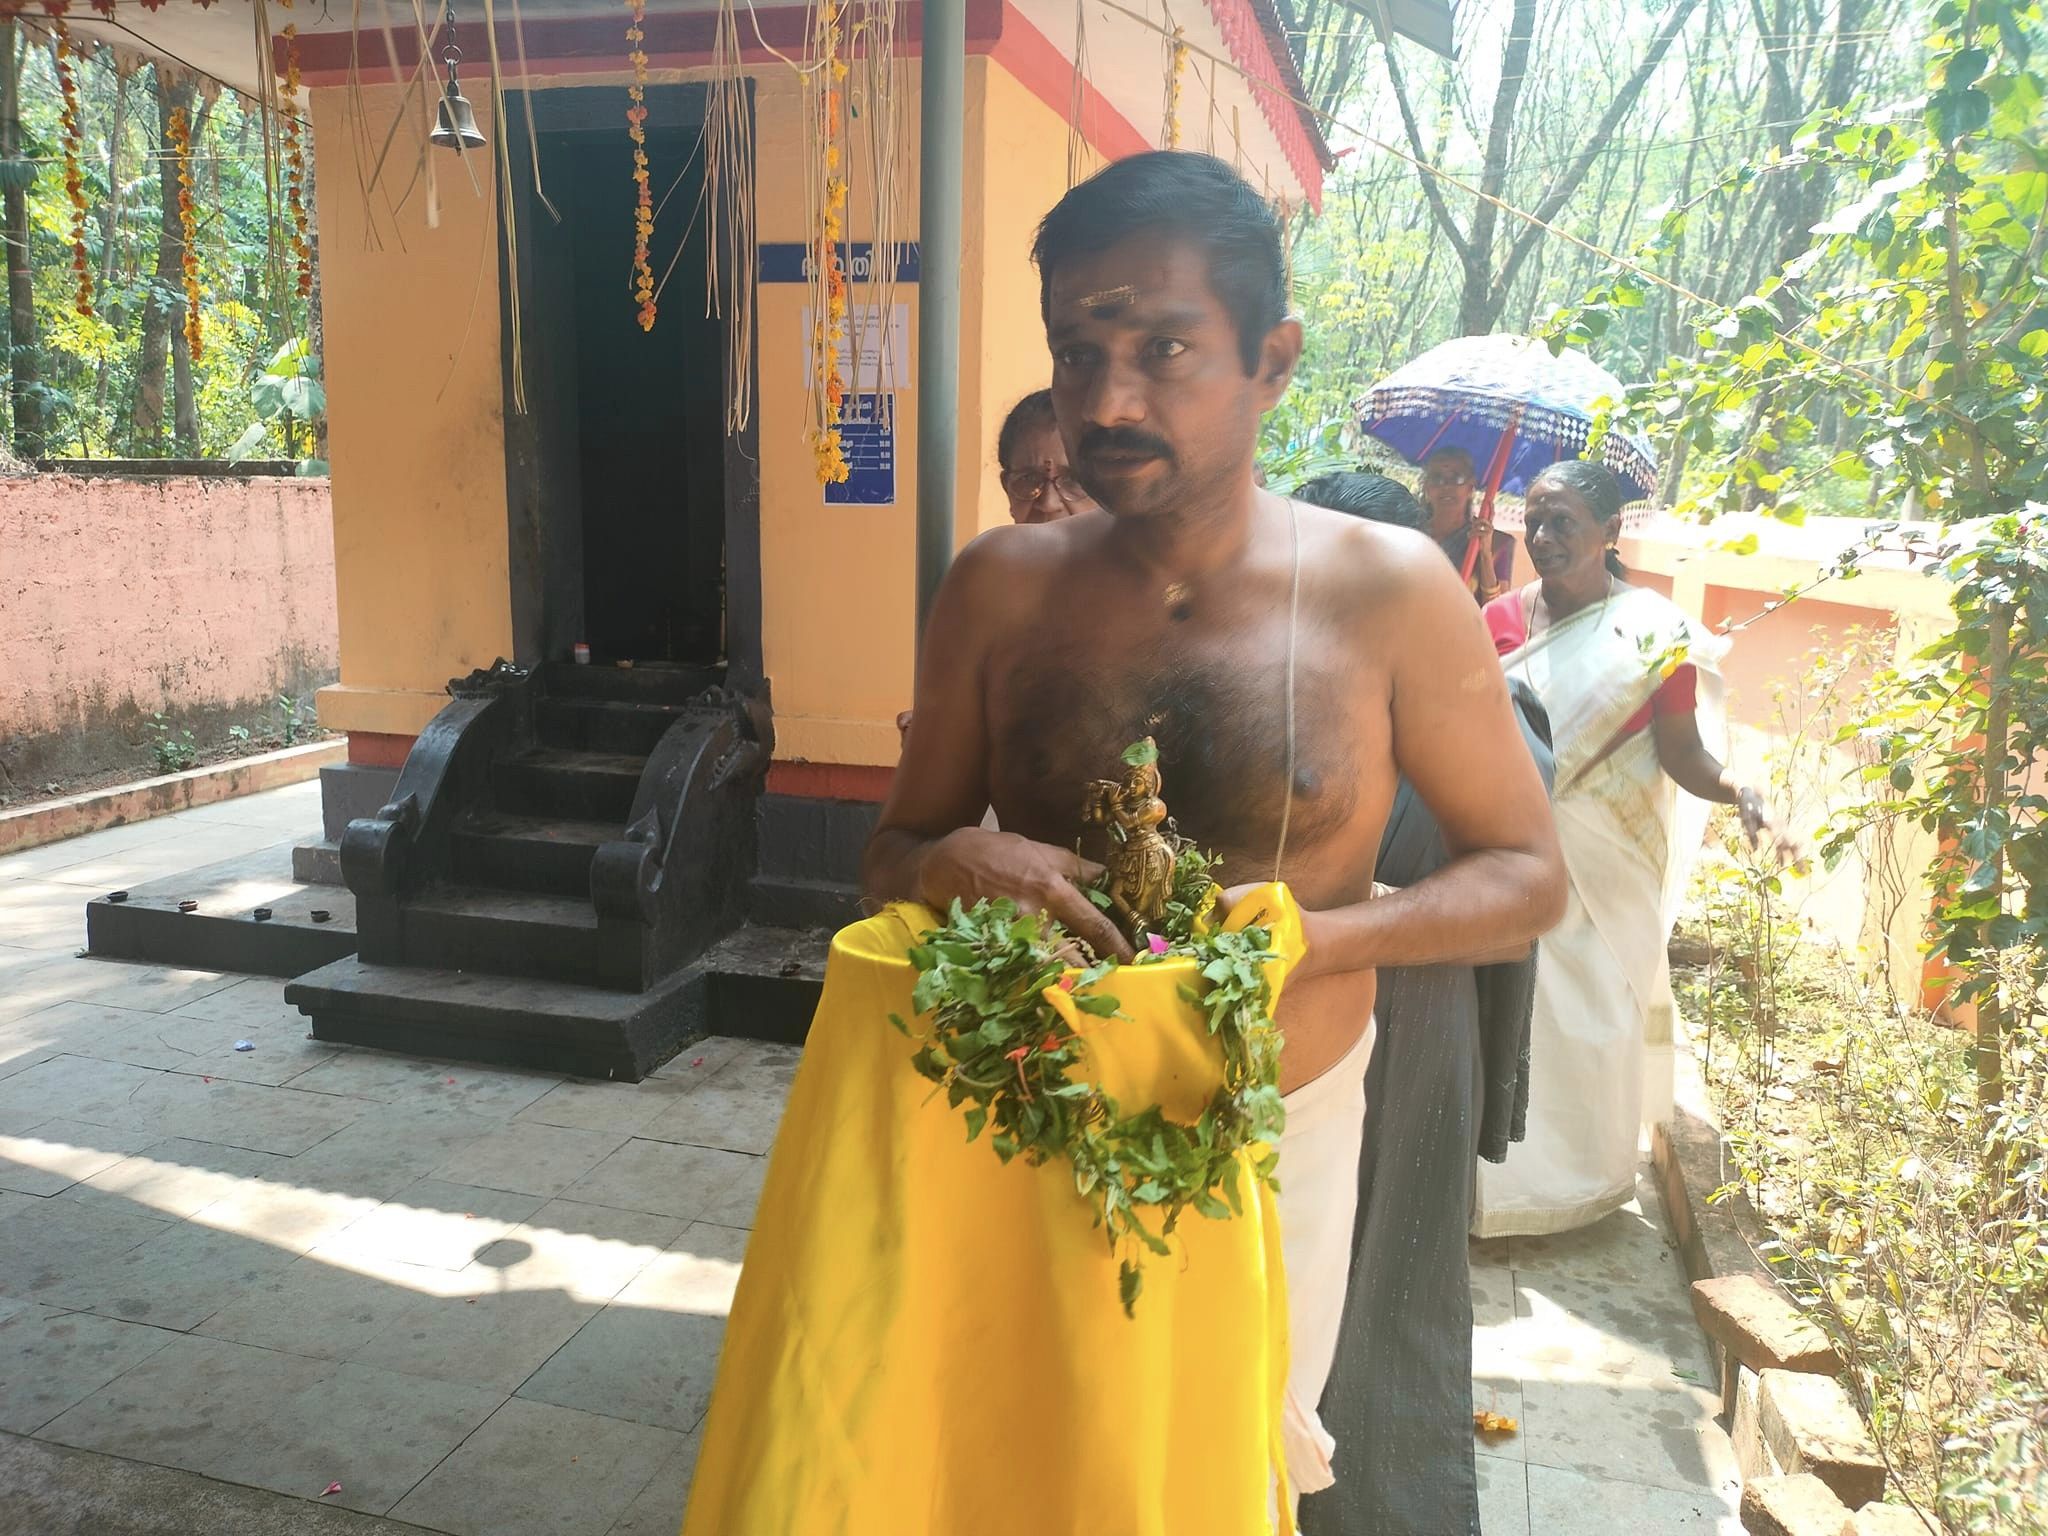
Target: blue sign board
column 788, row 261
column 867, row 437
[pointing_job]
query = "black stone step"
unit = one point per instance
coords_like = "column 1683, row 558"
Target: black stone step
column 579, row 786
column 529, row 853
column 505, row 933
column 603, row 725
column 548, row 1026
column 648, row 683
column 222, row 931
column 786, row 901
column 764, row 983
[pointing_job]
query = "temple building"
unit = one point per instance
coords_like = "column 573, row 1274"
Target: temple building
column 611, row 462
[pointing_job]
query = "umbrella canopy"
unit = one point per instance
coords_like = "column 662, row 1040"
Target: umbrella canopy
column 1481, row 392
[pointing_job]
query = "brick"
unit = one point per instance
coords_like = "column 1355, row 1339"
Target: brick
column 1791, row 1506
column 1885, row 1520
column 1746, row 1430
column 1751, row 1319
column 1809, row 1425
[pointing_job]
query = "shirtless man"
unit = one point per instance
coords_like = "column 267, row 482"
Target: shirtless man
column 1172, row 613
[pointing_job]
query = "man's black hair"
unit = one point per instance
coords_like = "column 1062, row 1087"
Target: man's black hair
column 1034, row 410
column 1372, row 497
column 1177, row 192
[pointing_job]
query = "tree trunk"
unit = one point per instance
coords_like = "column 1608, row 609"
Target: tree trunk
column 162, row 332
column 110, row 231
column 1478, row 310
column 24, row 373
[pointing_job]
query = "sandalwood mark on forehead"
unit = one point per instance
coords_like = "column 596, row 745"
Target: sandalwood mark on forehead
column 1106, row 303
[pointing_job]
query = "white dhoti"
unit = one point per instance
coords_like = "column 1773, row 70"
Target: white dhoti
column 1318, row 1202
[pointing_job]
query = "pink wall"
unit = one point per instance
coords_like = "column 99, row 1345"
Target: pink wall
column 1777, row 649
column 205, row 599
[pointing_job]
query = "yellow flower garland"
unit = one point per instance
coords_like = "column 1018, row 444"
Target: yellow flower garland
column 1175, row 70
column 826, row 444
column 636, row 121
column 295, row 163
column 180, row 134
column 74, row 174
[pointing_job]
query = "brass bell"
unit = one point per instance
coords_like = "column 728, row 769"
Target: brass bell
column 455, row 125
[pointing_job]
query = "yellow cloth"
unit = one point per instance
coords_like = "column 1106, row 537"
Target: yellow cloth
column 928, row 1342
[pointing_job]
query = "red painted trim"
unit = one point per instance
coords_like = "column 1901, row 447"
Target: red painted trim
column 572, row 45
column 373, row 749
column 831, row 781
column 1251, row 32
column 1037, row 64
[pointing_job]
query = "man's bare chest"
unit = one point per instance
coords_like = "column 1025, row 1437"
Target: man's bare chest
column 1216, row 704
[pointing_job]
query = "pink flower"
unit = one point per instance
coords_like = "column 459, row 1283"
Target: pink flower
column 1018, row 1054
column 1068, row 982
column 1156, row 943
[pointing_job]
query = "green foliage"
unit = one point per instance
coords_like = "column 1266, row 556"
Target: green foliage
column 90, row 366
column 1856, row 1139
column 996, row 1045
column 1926, row 759
column 292, row 727
column 173, row 751
column 1912, row 331
column 288, row 397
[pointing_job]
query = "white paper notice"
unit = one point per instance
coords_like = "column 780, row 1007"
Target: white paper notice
column 872, row 356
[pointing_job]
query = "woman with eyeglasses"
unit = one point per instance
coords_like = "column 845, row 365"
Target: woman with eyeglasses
column 1449, row 482
column 1035, row 476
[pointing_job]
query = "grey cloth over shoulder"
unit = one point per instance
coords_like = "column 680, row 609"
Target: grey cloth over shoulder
column 1448, row 1079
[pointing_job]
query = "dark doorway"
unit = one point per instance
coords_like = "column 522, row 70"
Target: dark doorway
column 621, row 497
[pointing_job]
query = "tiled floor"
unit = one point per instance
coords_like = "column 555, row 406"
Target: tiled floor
column 490, row 1302
column 1588, row 1341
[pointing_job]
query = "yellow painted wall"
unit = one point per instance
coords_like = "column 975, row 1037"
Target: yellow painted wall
column 414, row 421
column 416, row 427
column 838, row 584
column 1024, row 169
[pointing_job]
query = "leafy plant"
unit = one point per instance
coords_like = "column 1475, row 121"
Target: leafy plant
column 1951, row 748
column 172, row 750
column 998, row 1044
column 288, row 398
column 288, row 708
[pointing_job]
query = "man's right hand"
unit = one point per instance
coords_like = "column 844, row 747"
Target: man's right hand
column 974, row 864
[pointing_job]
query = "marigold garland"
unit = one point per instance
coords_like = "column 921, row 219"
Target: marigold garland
column 74, row 173
column 827, row 445
column 1176, row 68
column 295, row 163
column 180, row 134
column 636, row 127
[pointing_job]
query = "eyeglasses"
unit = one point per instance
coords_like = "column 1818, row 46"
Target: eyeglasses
column 1032, row 484
column 1438, row 478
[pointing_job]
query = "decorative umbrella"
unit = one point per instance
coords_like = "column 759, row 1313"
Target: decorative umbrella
column 1513, row 405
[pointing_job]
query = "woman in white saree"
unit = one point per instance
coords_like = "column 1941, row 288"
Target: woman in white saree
column 1634, row 696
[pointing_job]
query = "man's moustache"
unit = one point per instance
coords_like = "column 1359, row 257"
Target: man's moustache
column 1123, row 442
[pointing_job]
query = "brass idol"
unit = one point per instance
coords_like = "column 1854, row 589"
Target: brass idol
column 1140, row 858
